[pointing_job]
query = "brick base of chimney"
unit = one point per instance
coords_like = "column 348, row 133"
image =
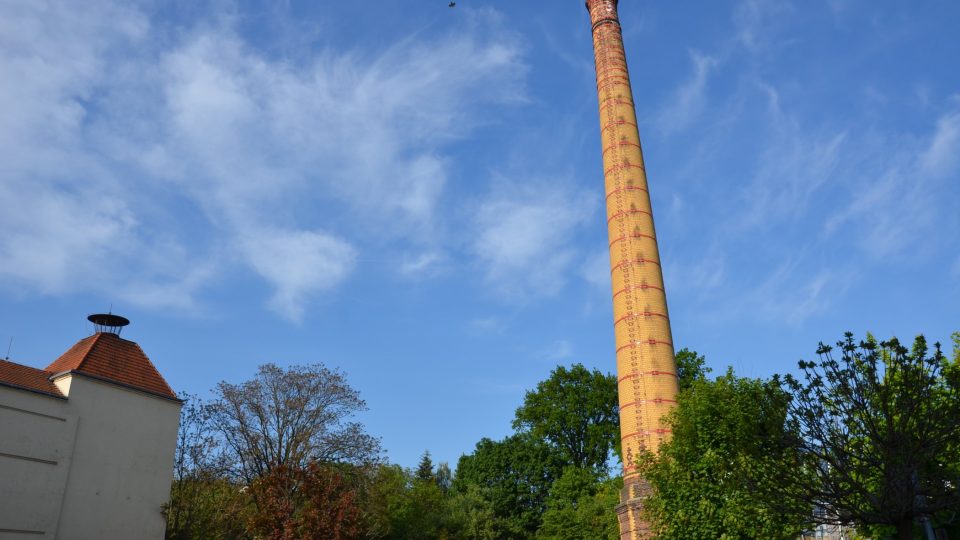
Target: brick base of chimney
column 633, row 525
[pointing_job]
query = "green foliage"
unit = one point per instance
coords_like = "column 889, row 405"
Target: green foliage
column 277, row 458
column 725, row 446
column 575, row 412
column 420, row 513
column 580, row 507
column 386, row 501
column 210, row 508
column 691, row 367
column 514, row 477
column 473, row 513
column 444, row 477
column 204, row 503
column 401, row 505
column 878, row 431
column 425, row 468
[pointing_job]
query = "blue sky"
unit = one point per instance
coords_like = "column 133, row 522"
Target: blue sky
column 413, row 193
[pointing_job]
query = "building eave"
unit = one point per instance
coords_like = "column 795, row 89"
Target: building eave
column 131, row 387
column 32, row 390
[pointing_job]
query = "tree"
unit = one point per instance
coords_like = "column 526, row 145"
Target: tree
column 877, row 431
column 727, row 444
column 425, row 468
column 401, row 505
column 473, row 511
column 219, row 510
column 691, row 367
column 291, row 417
column 386, row 501
column 580, row 507
column 317, row 502
column 444, row 477
column 514, row 476
column 575, row 411
column 203, row 504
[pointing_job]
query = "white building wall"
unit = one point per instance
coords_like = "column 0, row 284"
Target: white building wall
column 99, row 464
column 122, row 463
column 36, row 441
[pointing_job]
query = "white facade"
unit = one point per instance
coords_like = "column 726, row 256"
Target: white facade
column 95, row 464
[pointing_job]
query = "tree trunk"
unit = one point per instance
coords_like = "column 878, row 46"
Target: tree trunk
column 905, row 529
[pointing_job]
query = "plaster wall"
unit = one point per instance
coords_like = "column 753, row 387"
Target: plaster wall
column 95, row 465
column 36, row 443
column 122, row 463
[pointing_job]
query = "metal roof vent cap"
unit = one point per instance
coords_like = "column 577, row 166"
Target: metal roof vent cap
column 108, row 323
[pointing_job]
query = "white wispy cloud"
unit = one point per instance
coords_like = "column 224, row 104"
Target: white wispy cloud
column 793, row 165
column 297, row 263
column 690, row 98
column 524, row 236
column 791, row 294
column 894, row 204
column 595, row 270
column 69, row 221
column 248, row 145
column 831, row 190
column 757, row 21
column 486, row 326
column 704, row 273
column 422, row 265
column 559, row 350
column 942, row 155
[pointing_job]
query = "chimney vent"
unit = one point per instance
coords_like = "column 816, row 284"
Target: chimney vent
column 108, row 323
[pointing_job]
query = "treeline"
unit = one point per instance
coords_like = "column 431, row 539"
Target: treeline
column 867, row 437
column 865, row 441
column 278, row 457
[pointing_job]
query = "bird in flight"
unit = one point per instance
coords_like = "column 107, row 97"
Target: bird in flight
column 452, row 4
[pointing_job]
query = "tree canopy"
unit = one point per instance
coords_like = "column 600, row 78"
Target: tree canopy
column 691, row 367
column 727, row 436
column 290, row 417
column 575, row 412
column 878, row 431
column 515, row 476
column 868, row 436
column 580, row 507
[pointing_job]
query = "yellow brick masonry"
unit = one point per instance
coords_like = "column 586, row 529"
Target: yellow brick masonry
column 646, row 369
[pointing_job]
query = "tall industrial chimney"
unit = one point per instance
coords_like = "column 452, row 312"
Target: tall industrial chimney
column 646, row 368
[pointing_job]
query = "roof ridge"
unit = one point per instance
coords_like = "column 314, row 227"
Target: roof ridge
column 150, row 363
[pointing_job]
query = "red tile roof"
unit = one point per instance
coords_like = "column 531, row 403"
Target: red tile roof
column 27, row 378
column 107, row 356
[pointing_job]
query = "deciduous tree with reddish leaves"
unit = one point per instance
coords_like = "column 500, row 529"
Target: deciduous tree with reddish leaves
column 316, row 502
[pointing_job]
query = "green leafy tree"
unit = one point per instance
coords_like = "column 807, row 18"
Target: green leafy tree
column 444, row 477
column 472, row 510
column 204, row 503
column 878, row 431
column 386, row 501
column 727, row 443
column 219, row 510
column 691, row 367
column 580, row 507
column 514, row 476
column 403, row 506
column 575, row 411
